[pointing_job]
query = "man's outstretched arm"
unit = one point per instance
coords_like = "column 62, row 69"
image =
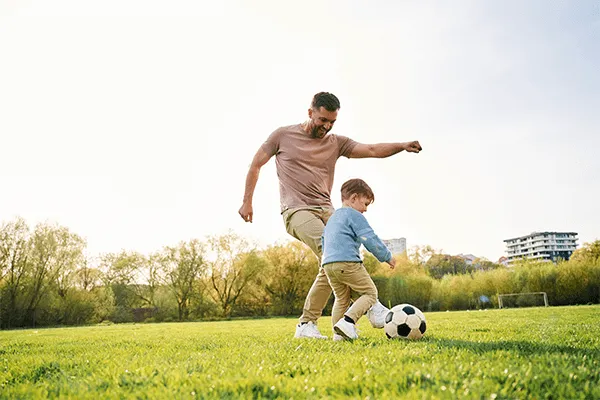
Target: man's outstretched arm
column 383, row 150
column 260, row 159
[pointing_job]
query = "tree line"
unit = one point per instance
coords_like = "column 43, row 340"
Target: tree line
column 46, row 279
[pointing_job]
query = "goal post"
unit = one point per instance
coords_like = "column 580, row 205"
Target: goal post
column 503, row 296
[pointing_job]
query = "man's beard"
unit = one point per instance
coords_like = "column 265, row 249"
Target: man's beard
column 318, row 132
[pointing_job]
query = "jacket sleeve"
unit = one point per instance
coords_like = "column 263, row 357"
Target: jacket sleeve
column 369, row 239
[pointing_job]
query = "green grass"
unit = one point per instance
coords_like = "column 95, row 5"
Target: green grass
column 536, row 353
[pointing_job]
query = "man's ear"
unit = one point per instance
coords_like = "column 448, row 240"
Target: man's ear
column 310, row 112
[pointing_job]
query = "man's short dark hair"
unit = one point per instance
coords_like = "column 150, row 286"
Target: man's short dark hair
column 327, row 100
column 357, row 186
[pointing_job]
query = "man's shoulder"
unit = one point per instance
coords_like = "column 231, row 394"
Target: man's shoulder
column 344, row 143
column 283, row 134
column 337, row 136
column 289, row 129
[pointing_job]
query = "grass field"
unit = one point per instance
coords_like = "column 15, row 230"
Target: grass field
column 536, row 353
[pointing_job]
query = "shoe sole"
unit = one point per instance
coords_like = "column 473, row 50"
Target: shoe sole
column 340, row 332
column 311, row 337
column 376, row 325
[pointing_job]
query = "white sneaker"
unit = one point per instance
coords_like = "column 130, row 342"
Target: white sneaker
column 337, row 338
column 308, row 330
column 346, row 329
column 376, row 315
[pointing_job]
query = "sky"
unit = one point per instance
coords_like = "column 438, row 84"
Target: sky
column 133, row 123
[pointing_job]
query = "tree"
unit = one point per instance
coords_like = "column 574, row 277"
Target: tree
column 420, row 254
column 182, row 266
column 292, row 268
column 236, row 265
column 252, row 298
column 589, row 252
column 120, row 272
column 151, row 275
column 439, row 265
column 483, row 264
column 55, row 254
column 372, row 264
column 121, row 268
column 404, row 266
column 15, row 248
column 86, row 278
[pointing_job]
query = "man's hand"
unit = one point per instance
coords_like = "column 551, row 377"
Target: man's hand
column 260, row 159
column 246, row 212
column 413, row 147
column 392, row 262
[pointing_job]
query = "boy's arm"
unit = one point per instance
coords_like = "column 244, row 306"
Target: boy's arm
column 371, row 241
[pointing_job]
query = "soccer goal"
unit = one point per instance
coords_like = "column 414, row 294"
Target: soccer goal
column 530, row 299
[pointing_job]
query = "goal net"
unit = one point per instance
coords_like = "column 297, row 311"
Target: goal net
column 530, row 299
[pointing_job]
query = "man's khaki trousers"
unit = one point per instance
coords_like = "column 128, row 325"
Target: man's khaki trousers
column 307, row 224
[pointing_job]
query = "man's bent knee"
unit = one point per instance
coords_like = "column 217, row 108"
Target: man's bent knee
column 307, row 227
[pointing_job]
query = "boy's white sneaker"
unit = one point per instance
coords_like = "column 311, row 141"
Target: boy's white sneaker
column 308, row 330
column 376, row 315
column 346, row 329
column 337, row 338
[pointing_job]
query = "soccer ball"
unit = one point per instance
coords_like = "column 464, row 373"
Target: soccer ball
column 405, row 321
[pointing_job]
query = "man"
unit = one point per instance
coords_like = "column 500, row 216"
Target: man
column 306, row 155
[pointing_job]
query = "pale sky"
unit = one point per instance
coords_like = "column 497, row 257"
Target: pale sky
column 133, row 122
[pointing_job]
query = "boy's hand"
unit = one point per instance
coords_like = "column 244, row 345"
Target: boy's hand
column 392, row 263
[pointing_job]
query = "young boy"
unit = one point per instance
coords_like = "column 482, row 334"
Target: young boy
column 345, row 231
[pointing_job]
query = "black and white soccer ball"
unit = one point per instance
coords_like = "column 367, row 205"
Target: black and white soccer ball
column 405, row 321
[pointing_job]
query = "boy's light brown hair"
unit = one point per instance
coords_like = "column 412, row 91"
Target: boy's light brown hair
column 359, row 187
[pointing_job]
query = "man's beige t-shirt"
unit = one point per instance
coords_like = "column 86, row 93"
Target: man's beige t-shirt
column 305, row 165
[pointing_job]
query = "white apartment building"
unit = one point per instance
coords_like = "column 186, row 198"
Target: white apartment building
column 396, row 246
column 550, row 246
